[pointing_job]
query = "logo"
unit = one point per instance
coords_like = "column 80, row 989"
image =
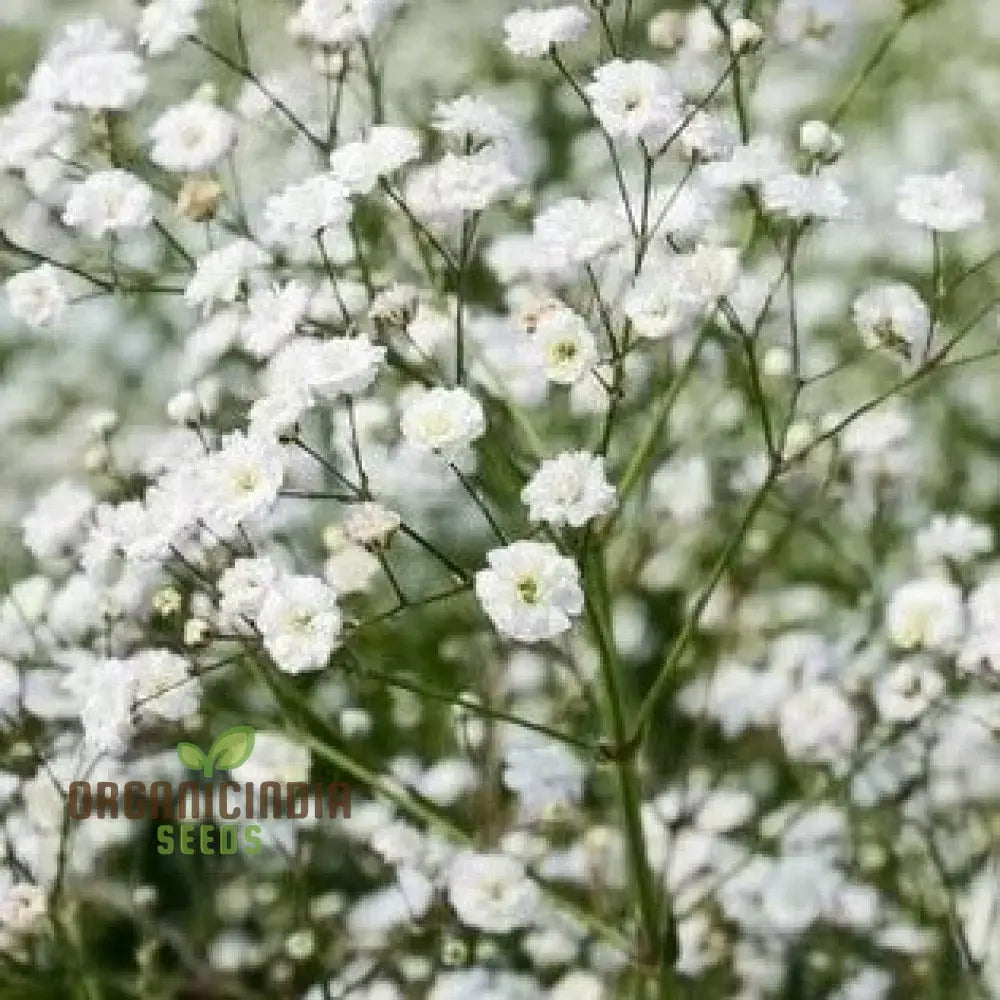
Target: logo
column 230, row 750
column 208, row 800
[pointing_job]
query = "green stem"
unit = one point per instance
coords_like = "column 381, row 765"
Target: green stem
column 628, row 784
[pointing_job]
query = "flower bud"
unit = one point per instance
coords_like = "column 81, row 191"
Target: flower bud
column 195, row 631
column 101, row 422
column 166, row 602
column 198, row 198
column 820, row 141
column 666, row 30
column 745, row 36
column 184, row 408
column 95, row 459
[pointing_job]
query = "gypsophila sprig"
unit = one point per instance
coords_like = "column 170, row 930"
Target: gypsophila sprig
column 502, row 502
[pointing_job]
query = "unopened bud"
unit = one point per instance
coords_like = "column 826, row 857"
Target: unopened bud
column 195, row 631
column 198, row 198
column 819, row 140
column 184, row 408
column 666, row 30
column 745, row 36
column 166, row 602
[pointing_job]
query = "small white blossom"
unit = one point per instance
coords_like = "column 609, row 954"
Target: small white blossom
column 567, row 346
column 945, row 203
column 445, row 421
column 88, row 67
column 893, row 316
column 386, row 149
column 272, row 317
column 37, row 297
column 164, row 24
column 491, row 892
column 907, row 690
column 324, row 369
column 818, row 725
column 534, row 32
column 570, row 489
column 221, row 274
column 530, row 591
column 371, row 524
column 574, row 231
column 457, row 184
column 300, row 622
column 926, row 613
column 817, row 196
column 337, row 23
column 241, row 481
column 635, row 100
column 304, row 210
column 109, row 201
column 958, row 538
column 192, row 136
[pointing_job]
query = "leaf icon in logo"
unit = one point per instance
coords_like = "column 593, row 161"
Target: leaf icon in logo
column 232, row 748
column 191, row 756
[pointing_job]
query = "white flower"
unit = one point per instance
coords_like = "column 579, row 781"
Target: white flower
column 88, row 68
column 457, row 184
column 340, row 22
column 386, row 149
column 635, row 100
column 324, row 369
column 570, row 489
column 109, row 201
column 817, row 196
column 907, row 690
column 683, row 488
column 272, row 316
column 351, row 569
column 671, row 292
column 534, row 32
column 567, row 347
column 56, row 521
column 37, row 297
column 242, row 589
column 371, row 524
column 163, row 24
column 192, row 136
column 758, row 161
column 819, row 140
column 958, row 538
column 893, row 316
column 708, row 137
column 946, row 203
column 28, row 130
column 444, row 421
column 164, row 687
column 744, row 36
column 301, row 623
column 984, row 605
column 926, row 613
column 23, row 907
column 542, row 774
column 818, row 725
column 305, row 209
column 491, row 892
column 530, row 591
column 221, row 274
column 241, row 481
column 574, row 231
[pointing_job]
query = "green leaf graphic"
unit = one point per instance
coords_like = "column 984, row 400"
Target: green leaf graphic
column 191, row 756
column 232, row 748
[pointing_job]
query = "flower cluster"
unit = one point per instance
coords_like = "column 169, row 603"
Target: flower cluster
column 593, row 464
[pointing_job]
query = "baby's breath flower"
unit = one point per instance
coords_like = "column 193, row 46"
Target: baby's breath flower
column 533, row 33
